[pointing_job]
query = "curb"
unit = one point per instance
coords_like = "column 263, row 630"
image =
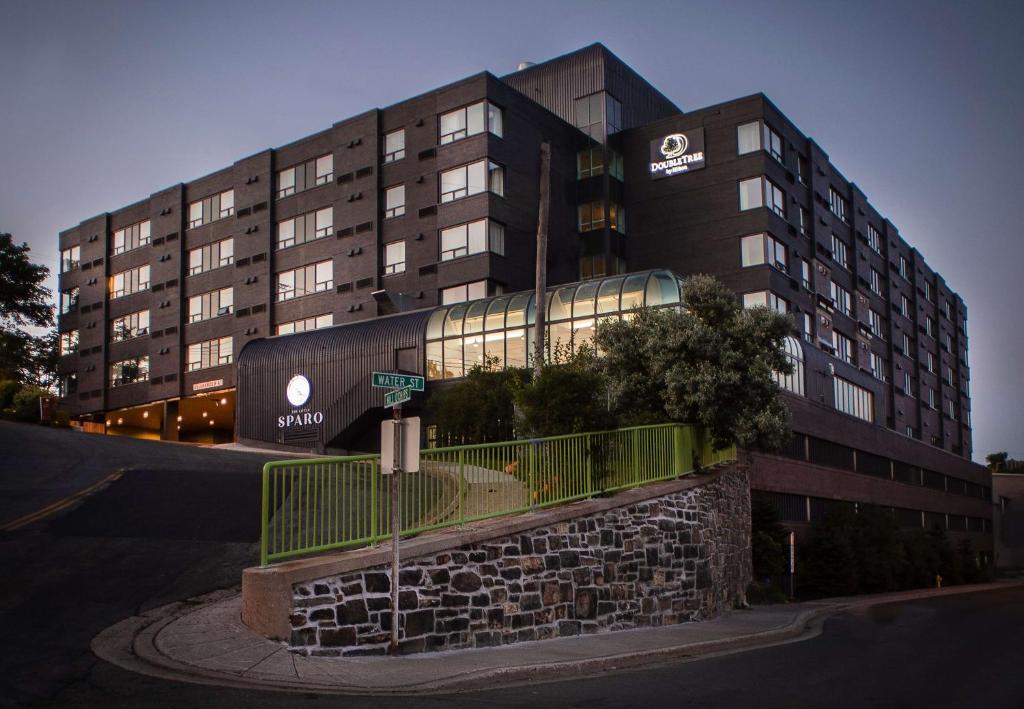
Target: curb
column 133, row 645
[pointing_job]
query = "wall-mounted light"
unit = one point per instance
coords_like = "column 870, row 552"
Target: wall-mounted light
column 120, row 421
column 145, row 414
column 224, row 401
column 179, row 421
column 205, row 414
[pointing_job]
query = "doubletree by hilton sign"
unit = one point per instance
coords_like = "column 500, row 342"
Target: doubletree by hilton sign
column 676, row 153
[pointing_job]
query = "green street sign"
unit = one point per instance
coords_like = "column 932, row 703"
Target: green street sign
column 386, row 380
column 394, row 398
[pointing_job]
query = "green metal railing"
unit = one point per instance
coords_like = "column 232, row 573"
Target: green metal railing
column 320, row 504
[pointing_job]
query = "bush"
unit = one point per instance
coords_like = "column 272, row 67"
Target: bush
column 768, row 539
column 569, row 396
column 478, row 409
column 8, row 388
column 25, row 404
column 829, row 564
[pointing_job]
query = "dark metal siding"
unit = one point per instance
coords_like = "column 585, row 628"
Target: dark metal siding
column 338, row 362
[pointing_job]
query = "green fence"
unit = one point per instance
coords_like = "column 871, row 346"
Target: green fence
column 320, row 504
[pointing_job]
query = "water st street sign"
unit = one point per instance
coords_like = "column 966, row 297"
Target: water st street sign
column 393, row 398
column 387, row 380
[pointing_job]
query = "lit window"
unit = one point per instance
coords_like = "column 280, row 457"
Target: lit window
column 473, row 238
column 130, row 326
column 593, row 216
column 758, row 249
column 468, row 180
column 394, row 145
column 394, row 258
column 765, row 299
column 470, row 120
column 464, row 292
column 762, row 192
column 127, row 282
column 68, row 342
column 394, row 201
column 129, row 371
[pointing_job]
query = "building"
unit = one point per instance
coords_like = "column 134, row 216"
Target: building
column 1008, row 521
column 433, row 201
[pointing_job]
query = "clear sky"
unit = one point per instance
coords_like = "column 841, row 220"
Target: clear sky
column 921, row 104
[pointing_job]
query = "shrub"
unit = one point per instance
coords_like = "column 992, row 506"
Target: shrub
column 479, row 408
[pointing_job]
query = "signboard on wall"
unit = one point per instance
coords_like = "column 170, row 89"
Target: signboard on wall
column 676, row 153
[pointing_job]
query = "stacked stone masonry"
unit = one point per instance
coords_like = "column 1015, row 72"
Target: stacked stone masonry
column 681, row 557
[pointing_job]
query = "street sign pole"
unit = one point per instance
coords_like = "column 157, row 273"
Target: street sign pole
column 395, row 522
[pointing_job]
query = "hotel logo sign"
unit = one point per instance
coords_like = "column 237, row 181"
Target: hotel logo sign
column 297, row 391
column 676, row 153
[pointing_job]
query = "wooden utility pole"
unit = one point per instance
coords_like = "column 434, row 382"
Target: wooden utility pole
column 542, row 257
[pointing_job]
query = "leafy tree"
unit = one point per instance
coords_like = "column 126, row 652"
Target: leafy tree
column 712, row 362
column 569, row 396
column 479, row 408
column 997, row 461
column 829, row 563
column 24, row 302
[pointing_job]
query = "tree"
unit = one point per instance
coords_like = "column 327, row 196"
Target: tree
column 24, row 302
column 568, row 396
column 997, row 461
column 768, row 538
column 711, row 362
column 478, row 409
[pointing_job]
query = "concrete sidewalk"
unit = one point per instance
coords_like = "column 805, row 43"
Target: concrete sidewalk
column 204, row 641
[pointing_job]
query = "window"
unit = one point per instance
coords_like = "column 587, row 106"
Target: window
column 854, row 400
column 931, row 398
column 904, row 306
column 876, row 324
column 472, row 179
column 805, row 273
column 305, row 227
column 948, row 310
column 839, row 252
column 464, row 292
column 949, row 376
column 305, row 280
column 908, row 384
column 874, row 241
column 951, row 409
column 906, row 345
column 215, row 255
column 473, row 238
column 131, row 237
column 794, row 353
column 840, row 298
column 68, row 300
column 803, row 170
column 843, row 347
column 210, row 209
column 929, row 326
column 394, row 145
column 394, row 258
column 592, row 216
column 876, row 282
column 394, row 201
column 757, row 135
column 70, row 258
column 949, row 342
column 805, row 221
column 129, row 371
column 838, row 204
column 592, row 162
column 762, row 192
column 314, row 323
column 758, row 249
column 904, row 267
column 766, row 299
column 930, row 362
column 301, row 177
column 129, row 326
column 127, row 282
column 877, row 365
column 211, row 353
column 598, row 115
column 210, row 305
column 470, row 120
column 68, row 342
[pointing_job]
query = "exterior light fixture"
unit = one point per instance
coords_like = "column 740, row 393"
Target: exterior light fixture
column 211, row 422
column 108, row 422
column 179, row 419
column 224, row 401
column 120, row 421
column 145, row 414
column 205, row 414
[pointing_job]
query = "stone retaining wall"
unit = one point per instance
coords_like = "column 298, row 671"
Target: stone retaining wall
column 681, row 557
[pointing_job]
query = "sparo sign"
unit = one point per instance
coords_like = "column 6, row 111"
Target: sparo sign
column 676, row 153
column 297, row 392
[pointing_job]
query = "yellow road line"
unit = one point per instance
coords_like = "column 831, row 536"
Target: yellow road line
column 59, row 505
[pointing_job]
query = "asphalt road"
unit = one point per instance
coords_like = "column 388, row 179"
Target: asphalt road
column 172, row 530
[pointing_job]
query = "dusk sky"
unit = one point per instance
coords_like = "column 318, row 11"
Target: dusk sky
column 920, row 104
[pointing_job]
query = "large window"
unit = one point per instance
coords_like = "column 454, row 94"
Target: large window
column 313, row 323
column 127, row 282
column 394, row 201
column 129, row 326
column 394, row 258
column 394, row 145
column 215, row 255
column 210, row 305
column 594, row 216
column 70, row 258
column 68, row 300
column 854, row 400
column 131, row 237
column 793, row 381
column 472, row 238
column 759, row 135
column 68, row 342
column 594, row 161
column 840, row 298
column 211, row 353
column 210, row 209
column 312, row 173
column 838, row 204
column 464, row 292
column 766, row 299
column 762, row 192
column 598, row 115
column 758, row 249
column 839, row 252
column 468, row 180
column 305, row 280
column 305, row 227
column 470, row 120
column 129, row 371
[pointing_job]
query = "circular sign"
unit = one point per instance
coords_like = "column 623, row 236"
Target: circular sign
column 674, row 145
column 298, row 390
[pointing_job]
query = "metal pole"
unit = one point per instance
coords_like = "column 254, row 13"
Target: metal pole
column 542, row 257
column 395, row 524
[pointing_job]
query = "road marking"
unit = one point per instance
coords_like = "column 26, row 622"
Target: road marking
column 59, row 505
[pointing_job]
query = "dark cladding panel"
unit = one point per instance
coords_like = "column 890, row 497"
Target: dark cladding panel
column 338, row 363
